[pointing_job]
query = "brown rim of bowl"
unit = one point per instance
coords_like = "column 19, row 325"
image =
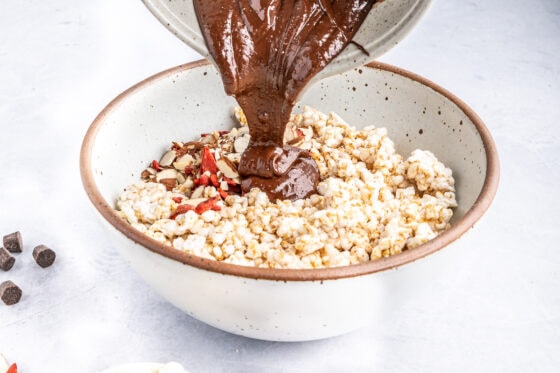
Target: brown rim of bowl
column 457, row 230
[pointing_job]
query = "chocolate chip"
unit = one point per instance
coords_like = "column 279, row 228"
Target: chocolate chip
column 10, row 293
column 43, row 256
column 6, row 260
column 12, row 242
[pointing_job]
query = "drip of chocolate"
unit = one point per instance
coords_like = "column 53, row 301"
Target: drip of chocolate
column 266, row 52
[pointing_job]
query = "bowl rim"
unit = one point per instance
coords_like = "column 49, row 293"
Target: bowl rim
column 460, row 227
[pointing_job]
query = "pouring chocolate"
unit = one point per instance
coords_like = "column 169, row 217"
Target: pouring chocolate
column 266, row 52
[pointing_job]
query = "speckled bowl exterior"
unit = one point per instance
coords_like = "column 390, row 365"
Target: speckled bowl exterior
column 283, row 304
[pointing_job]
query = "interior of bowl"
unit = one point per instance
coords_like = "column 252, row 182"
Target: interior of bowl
column 181, row 103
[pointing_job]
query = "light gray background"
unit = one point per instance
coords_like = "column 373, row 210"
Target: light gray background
column 494, row 307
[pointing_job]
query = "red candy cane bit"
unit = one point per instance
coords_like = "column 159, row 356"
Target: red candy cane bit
column 208, row 162
column 202, row 180
column 177, row 199
column 223, row 133
column 189, row 170
column 223, row 193
column 155, row 165
column 12, row 368
column 181, row 209
column 229, row 181
column 209, row 204
column 214, row 180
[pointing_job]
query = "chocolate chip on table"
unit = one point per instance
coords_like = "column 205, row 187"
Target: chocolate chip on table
column 44, row 256
column 10, row 293
column 12, row 242
column 6, row 260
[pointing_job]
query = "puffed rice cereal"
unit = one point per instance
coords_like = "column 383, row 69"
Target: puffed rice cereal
column 371, row 203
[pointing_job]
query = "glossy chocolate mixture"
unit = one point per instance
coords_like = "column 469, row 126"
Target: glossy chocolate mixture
column 266, row 52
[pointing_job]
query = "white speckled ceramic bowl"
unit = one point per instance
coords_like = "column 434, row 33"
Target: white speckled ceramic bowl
column 286, row 305
column 385, row 26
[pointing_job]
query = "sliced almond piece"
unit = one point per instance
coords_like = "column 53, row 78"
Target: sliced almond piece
column 197, row 193
column 183, row 161
column 168, row 173
column 243, row 130
column 169, row 183
column 234, row 157
column 168, row 158
column 194, row 145
column 181, row 178
column 186, row 158
column 241, row 143
column 210, row 139
column 145, row 175
column 227, row 167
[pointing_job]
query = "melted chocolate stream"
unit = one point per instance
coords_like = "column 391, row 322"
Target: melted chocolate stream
column 266, row 52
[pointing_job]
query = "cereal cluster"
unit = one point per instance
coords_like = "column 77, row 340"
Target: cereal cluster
column 371, row 203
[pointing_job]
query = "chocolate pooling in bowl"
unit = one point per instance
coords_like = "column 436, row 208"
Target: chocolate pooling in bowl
column 266, row 52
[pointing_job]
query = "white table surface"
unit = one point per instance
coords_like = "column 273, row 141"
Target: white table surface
column 496, row 309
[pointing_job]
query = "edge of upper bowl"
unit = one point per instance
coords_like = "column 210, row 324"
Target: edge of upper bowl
column 460, row 227
column 189, row 33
